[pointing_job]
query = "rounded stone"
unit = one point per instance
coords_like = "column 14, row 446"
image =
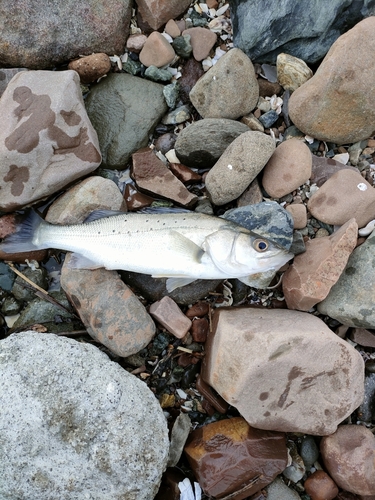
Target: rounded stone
column 320, row 486
column 291, row 71
column 92, row 67
column 156, row 51
column 202, row 40
column 75, row 424
column 298, row 212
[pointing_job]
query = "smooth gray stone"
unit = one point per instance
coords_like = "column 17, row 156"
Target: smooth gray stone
column 7, row 277
column 265, row 28
column 309, row 451
column 278, row 490
column 22, row 290
column 367, row 409
column 157, row 74
column 179, row 435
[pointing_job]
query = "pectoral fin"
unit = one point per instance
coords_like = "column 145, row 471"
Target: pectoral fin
column 173, row 283
column 183, row 248
column 78, row 261
column 259, row 280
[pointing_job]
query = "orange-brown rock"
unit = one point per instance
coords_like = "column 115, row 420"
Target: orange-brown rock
column 319, row 486
column 92, row 67
column 156, row 51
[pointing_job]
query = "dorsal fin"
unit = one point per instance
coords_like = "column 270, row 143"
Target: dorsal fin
column 100, row 214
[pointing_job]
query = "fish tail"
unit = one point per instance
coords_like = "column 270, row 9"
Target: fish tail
column 22, row 239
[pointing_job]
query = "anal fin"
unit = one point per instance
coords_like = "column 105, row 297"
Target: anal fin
column 173, row 283
column 78, row 261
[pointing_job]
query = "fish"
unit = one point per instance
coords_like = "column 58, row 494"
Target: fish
column 179, row 245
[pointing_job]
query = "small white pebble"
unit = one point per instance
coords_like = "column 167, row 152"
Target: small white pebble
column 203, row 7
column 223, row 9
column 167, row 37
column 365, row 231
column 309, row 139
column 342, row 158
column 124, row 57
column 207, row 63
column 230, row 167
column 171, row 156
column 362, row 186
column 212, row 12
column 181, row 393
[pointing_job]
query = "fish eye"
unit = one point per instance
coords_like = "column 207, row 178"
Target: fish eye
column 260, row 245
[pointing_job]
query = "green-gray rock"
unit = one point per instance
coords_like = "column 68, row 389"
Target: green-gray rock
column 124, row 110
column 22, row 290
column 171, row 94
column 10, row 306
column 157, row 74
column 132, row 67
column 178, row 115
column 182, row 46
column 7, row 277
column 352, row 299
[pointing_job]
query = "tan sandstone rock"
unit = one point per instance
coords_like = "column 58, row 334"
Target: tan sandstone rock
column 155, row 13
column 291, row 71
column 298, row 212
column 92, row 67
column 156, row 51
column 168, row 314
column 202, row 40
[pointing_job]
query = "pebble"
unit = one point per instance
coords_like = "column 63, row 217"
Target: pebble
column 366, row 412
column 199, row 329
column 180, row 432
column 278, row 490
column 202, row 41
column 268, row 89
column 37, row 276
column 299, row 214
column 198, row 310
column 344, row 195
column 251, row 196
column 155, row 13
column 320, row 486
column 238, row 166
column 156, row 51
column 309, row 451
column 91, row 68
column 176, row 116
column 134, row 199
column 6, row 74
column 252, row 122
column 315, row 385
column 291, row 71
column 342, row 91
column 165, row 142
column 363, row 337
column 135, row 42
column 348, row 455
column 296, row 470
column 168, row 314
column 158, row 75
column 323, row 168
column 172, row 29
column 182, row 46
column 313, row 273
column 191, row 72
column 184, row 174
column 269, row 118
column 228, row 90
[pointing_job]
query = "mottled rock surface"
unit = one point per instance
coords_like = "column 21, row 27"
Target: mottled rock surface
column 154, row 13
column 299, row 214
column 323, row 168
column 292, row 72
column 92, row 67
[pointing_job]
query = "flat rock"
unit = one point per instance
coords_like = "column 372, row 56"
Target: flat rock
column 323, row 168
column 344, row 195
column 292, row 72
column 47, row 141
column 283, row 370
column 124, row 110
column 201, row 144
column 156, row 51
column 288, row 168
column 313, row 273
column 238, row 166
column 168, row 314
column 155, row 13
column 202, row 40
column 222, row 457
column 351, row 300
column 38, row 38
column 228, row 90
column 342, row 87
column 92, row 67
column 80, row 423
column 289, row 28
column 349, row 458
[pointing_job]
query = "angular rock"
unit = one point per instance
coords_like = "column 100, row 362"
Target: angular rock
column 168, row 314
column 344, row 195
column 202, row 40
column 191, row 72
column 185, row 174
column 134, row 199
column 80, row 424
column 135, row 43
column 179, row 435
column 124, row 110
column 351, row 300
column 182, row 46
column 199, row 329
column 238, row 166
column 251, row 196
column 292, row 72
column 110, row 311
column 321, row 106
column 287, row 372
column 363, row 337
column 92, row 67
column 320, row 486
column 323, row 168
column 228, row 90
column 289, row 28
column 252, row 122
column 153, row 176
column 155, row 13
column 172, row 28
column 288, row 168
column 46, row 126
column 298, row 212
column 229, row 456
column 201, row 144
column 348, row 455
column 313, row 273
column 278, row 490
column 6, row 74
column 38, row 38
column 366, row 412
column 156, row 51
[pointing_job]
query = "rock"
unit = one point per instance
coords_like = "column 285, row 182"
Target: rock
column 135, row 42
column 172, row 29
column 292, row 72
column 90, row 68
column 171, row 93
column 156, row 51
column 7, row 277
column 201, row 144
column 320, row 486
column 348, row 455
column 222, row 457
column 168, row 314
column 366, row 412
column 278, row 490
column 42, row 38
column 158, row 75
column 153, row 176
column 38, row 276
column 296, row 470
column 179, row 435
column 182, row 45
column 269, row 118
column 344, row 195
column 320, row 107
column 176, row 116
column 363, row 337
column 309, row 451
column 47, row 125
column 252, row 122
column 6, row 74
column 165, row 142
column 191, row 72
column 323, row 168
column 198, row 310
column 289, row 372
column 134, row 199
column 124, row 110
column 155, row 13
column 199, row 329
column 289, row 28
column 313, row 273
column 251, row 196
column 202, row 40
column 228, row 90
column 288, row 168
column 104, row 427
column 185, row 174
column 268, row 89
column 110, row 311
column 351, row 300
column 298, row 212
column 238, row 166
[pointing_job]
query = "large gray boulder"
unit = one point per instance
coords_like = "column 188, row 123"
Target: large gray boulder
column 74, row 424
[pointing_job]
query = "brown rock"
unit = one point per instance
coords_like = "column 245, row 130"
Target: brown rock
column 292, row 72
column 298, row 212
column 313, row 273
column 349, row 456
column 155, row 13
column 136, row 42
column 252, row 122
column 323, row 168
column 252, row 195
column 90, row 68
column 230, row 456
column 342, row 87
column 320, row 486
column 199, row 329
column 283, row 370
column 157, row 51
column 172, row 29
column 288, row 168
column 168, row 314
column 268, row 89
column 363, row 337
column 191, row 72
column 344, row 195
column 202, row 40
column 153, row 176
column 217, row 402
column 185, row 174
column 136, row 200
column 198, row 310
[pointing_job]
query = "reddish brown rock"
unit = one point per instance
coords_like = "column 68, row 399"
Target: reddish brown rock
column 230, row 456
column 199, row 329
column 323, row 168
column 212, row 397
column 185, row 174
column 268, row 89
column 320, row 486
column 363, row 337
column 349, row 456
column 136, row 42
column 157, row 51
column 313, row 273
column 202, row 40
column 288, row 168
column 153, row 176
column 298, row 212
column 191, row 72
column 90, row 68
column 198, row 310
column 155, row 13
column 136, row 200
column 168, row 314
column 344, row 195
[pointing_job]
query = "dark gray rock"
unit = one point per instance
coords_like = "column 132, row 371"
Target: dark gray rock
column 201, row 144
column 124, row 110
column 265, row 28
column 309, row 451
column 7, row 277
column 22, row 290
column 269, row 118
column 39, row 35
column 367, row 409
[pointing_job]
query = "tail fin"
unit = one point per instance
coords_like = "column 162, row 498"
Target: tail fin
column 22, row 239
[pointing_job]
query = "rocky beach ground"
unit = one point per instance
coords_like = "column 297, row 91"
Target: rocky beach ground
column 111, row 387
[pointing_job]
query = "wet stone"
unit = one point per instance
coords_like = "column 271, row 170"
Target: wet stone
column 320, row 486
column 309, row 451
column 185, row 174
